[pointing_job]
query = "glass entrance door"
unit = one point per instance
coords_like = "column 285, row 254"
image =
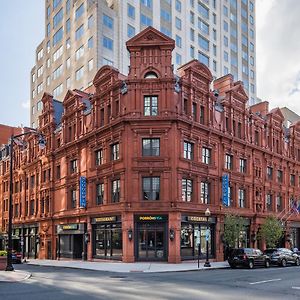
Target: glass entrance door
column 151, row 241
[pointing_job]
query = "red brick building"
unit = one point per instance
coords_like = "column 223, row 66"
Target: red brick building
column 6, row 132
column 129, row 171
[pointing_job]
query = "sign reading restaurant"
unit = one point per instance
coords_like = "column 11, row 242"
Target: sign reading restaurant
column 105, row 219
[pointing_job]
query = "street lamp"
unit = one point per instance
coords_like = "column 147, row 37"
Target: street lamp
column 207, row 237
column 41, row 140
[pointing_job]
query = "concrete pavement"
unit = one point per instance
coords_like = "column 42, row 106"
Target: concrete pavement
column 114, row 266
column 13, row 276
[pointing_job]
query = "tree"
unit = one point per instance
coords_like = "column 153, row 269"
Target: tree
column 271, row 231
column 233, row 226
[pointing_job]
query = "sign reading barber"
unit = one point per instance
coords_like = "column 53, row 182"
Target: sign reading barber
column 82, row 191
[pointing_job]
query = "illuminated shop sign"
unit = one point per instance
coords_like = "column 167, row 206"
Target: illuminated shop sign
column 105, row 219
column 151, row 218
column 199, row 219
column 70, row 227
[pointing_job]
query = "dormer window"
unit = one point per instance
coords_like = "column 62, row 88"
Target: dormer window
column 150, row 75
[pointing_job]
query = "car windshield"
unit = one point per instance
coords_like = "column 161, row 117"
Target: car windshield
column 238, row 251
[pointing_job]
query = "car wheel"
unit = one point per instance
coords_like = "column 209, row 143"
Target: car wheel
column 297, row 263
column 267, row 264
column 283, row 262
column 250, row 264
column 232, row 266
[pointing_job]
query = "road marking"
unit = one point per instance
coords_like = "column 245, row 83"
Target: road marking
column 296, row 287
column 265, row 281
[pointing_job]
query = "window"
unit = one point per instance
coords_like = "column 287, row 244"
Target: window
column 115, row 154
column 99, row 157
column 90, row 43
column 79, row 12
column 31, row 209
column 178, row 41
column 90, row 65
column 165, row 15
column 151, row 147
column 205, row 197
column 146, row 21
column 203, row 43
column 73, row 198
column 56, row 3
column 203, row 26
column 225, row 26
column 187, row 190
column 68, row 43
column 58, row 18
column 225, row 41
column 57, row 37
column 178, row 23
column 57, row 72
column 79, row 52
column 279, row 176
column 90, row 22
column 188, row 150
column 130, row 11
column 203, row 11
column 79, row 73
column 130, row 31
column 58, row 172
column 73, row 166
column 215, row 34
column 192, row 52
column 178, row 5
column 166, row 31
column 251, row 5
column 150, row 106
column 226, row 56
column 225, row 10
column 39, row 105
column 108, row 21
column 269, row 173
column 243, row 165
column 147, row 3
column 192, row 17
column 151, row 188
column 99, row 193
column 251, row 20
column 79, row 32
column 68, row 6
column 206, row 155
column 108, row 43
column 242, row 198
column 115, row 191
column 68, row 25
column 203, row 59
column 292, row 179
column 279, row 202
column 68, row 63
column 228, row 162
column 251, row 47
column 40, row 88
column 269, row 202
column 40, row 71
column 48, row 12
column 58, row 53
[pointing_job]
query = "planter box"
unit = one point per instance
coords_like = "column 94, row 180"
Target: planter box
column 3, row 262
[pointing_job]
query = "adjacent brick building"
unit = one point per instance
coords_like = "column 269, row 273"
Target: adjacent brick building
column 128, row 171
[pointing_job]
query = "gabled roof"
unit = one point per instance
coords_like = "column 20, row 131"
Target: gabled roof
column 150, row 37
column 276, row 111
column 103, row 72
column 239, row 88
column 198, row 67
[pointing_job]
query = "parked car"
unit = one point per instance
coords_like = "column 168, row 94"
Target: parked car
column 248, row 257
column 282, row 257
column 16, row 257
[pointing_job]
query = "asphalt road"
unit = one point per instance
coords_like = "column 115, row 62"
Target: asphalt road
column 240, row 284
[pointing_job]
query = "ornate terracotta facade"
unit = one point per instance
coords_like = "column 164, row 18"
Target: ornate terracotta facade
column 128, row 171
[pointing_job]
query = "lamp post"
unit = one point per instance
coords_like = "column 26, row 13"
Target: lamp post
column 9, row 266
column 207, row 237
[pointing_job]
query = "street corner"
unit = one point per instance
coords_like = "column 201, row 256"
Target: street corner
column 14, row 276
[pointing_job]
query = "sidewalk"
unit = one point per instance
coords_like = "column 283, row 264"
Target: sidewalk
column 13, row 276
column 147, row 267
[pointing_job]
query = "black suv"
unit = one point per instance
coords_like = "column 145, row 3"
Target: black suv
column 248, row 257
column 282, row 257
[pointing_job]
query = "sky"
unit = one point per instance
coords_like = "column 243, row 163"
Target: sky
column 277, row 54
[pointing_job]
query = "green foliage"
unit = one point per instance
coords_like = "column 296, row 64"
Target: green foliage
column 233, row 226
column 3, row 253
column 271, row 231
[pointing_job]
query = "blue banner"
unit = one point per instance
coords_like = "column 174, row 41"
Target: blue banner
column 82, row 191
column 225, row 187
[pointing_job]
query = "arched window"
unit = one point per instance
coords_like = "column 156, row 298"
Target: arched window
column 151, row 75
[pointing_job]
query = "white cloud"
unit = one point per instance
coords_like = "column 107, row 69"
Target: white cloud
column 26, row 104
column 278, row 48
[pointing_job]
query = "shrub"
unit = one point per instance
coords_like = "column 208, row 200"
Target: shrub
column 3, row 253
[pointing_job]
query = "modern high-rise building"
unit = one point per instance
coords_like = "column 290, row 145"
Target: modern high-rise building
column 83, row 35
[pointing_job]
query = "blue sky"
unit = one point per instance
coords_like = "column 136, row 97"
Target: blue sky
column 21, row 30
column 278, row 48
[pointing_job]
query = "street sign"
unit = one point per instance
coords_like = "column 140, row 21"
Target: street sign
column 225, row 188
column 82, row 191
